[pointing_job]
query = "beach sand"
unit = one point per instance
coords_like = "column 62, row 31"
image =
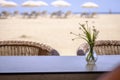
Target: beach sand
column 56, row 32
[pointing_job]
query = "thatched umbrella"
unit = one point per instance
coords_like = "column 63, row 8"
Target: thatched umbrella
column 89, row 5
column 30, row 4
column 60, row 3
column 8, row 4
column 42, row 3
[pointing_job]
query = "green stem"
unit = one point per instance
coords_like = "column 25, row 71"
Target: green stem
column 90, row 55
column 91, row 52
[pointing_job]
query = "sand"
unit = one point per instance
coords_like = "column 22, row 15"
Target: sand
column 56, row 32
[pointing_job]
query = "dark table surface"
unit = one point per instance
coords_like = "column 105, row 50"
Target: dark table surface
column 56, row 64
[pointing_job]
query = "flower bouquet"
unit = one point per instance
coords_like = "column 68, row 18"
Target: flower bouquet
column 89, row 35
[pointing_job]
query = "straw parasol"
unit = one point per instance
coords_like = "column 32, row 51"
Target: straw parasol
column 8, row 4
column 60, row 3
column 34, row 3
column 89, row 5
column 41, row 3
column 1, row 1
column 30, row 4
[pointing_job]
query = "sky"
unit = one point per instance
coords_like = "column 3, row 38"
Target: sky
column 104, row 6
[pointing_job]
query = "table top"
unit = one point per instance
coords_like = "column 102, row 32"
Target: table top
column 56, row 64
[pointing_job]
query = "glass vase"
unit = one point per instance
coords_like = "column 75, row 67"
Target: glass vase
column 91, row 56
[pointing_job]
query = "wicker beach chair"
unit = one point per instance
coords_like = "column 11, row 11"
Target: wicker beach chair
column 25, row 48
column 67, row 14
column 102, row 47
column 57, row 14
